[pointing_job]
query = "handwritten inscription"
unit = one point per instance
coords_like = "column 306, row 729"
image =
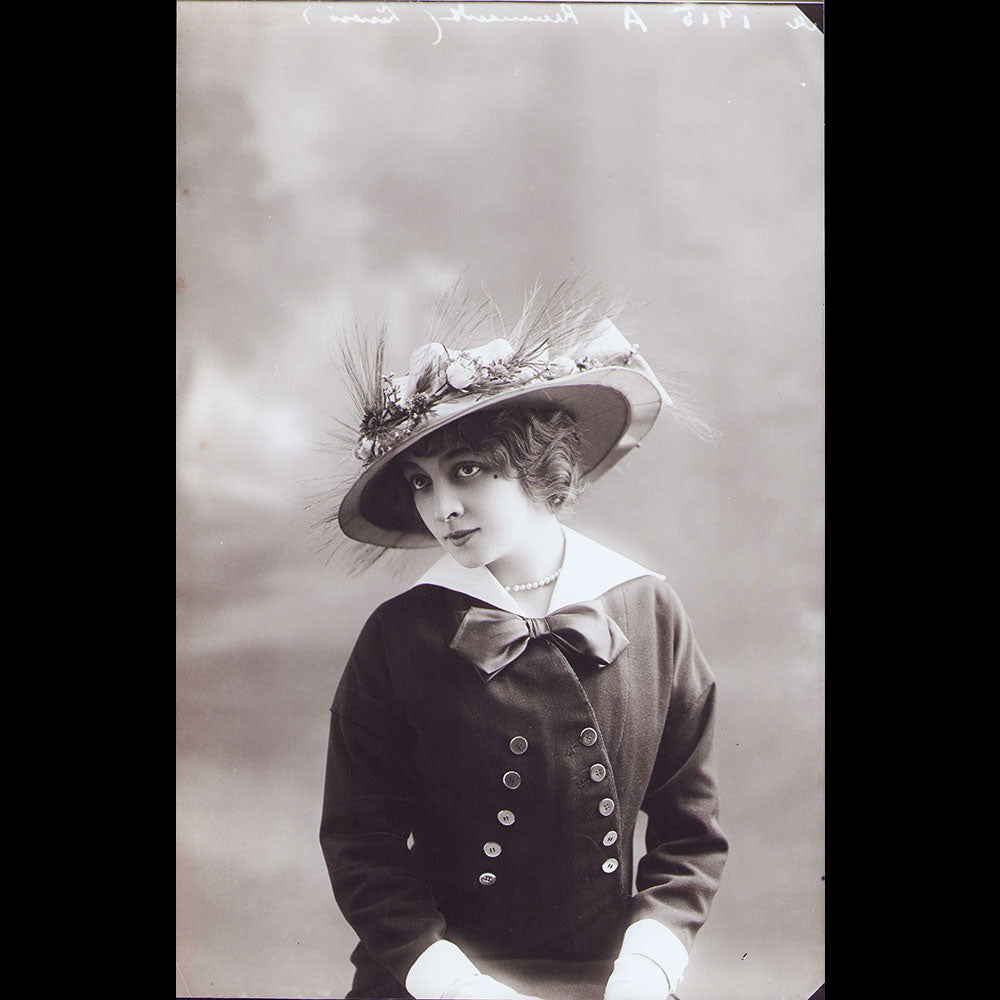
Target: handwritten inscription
column 631, row 17
column 383, row 15
column 459, row 13
column 688, row 14
column 724, row 14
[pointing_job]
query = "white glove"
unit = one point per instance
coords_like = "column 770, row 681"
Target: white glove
column 444, row 972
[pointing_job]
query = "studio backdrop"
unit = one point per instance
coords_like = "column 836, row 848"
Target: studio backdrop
column 350, row 162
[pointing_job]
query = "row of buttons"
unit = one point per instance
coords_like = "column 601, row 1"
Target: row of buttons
column 598, row 772
column 511, row 779
column 518, row 746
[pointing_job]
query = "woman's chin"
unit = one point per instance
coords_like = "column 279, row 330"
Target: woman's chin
column 470, row 560
column 474, row 554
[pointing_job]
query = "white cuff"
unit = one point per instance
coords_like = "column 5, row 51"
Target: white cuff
column 437, row 967
column 659, row 944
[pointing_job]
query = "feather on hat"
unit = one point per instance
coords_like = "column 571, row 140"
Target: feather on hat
column 563, row 352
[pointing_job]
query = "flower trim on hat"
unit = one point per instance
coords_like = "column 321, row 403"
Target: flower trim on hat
column 555, row 340
column 438, row 375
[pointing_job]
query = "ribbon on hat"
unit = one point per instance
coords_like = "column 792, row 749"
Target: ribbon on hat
column 490, row 639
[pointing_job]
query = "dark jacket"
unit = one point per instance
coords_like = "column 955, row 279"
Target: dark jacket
column 420, row 744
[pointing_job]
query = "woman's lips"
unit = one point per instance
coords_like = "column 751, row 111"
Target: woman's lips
column 460, row 537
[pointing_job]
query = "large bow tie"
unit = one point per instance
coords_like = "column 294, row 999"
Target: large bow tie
column 491, row 638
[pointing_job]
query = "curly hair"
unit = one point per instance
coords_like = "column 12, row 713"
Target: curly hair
column 538, row 447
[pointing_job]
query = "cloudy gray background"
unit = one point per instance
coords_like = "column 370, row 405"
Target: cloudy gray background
column 328, row 170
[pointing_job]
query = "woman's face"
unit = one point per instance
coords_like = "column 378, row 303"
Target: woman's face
column 478, row 515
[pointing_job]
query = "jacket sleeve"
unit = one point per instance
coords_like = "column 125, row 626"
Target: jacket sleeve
column 366, row 813
column 685, row 846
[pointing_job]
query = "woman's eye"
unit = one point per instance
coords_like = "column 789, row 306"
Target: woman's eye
column 417, row 483
column 467, row 469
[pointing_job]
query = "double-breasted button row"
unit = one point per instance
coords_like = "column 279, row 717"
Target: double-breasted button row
column 518, row 745
column 511, row 779
column 606, row 807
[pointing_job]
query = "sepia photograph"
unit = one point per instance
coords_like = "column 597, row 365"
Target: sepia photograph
column 500, row 527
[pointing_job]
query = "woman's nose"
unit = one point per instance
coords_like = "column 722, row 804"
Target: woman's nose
column 447, row 505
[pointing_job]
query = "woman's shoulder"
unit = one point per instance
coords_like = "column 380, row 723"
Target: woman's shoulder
column 421, row 601
column 650, row 603
column 651, row 593
column 423, row 616
column 404, row 631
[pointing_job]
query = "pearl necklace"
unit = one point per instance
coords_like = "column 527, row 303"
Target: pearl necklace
column 544, row 582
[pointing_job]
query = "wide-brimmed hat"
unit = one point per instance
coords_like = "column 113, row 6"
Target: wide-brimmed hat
column 591, row 370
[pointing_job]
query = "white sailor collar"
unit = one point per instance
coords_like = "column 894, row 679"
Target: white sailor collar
column 589, row 570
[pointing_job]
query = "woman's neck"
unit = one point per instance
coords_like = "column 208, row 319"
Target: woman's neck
column 538, row 558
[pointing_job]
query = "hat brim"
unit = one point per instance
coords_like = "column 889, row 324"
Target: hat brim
column 614, row 408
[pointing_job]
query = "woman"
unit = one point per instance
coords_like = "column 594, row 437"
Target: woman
column 500, row 724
